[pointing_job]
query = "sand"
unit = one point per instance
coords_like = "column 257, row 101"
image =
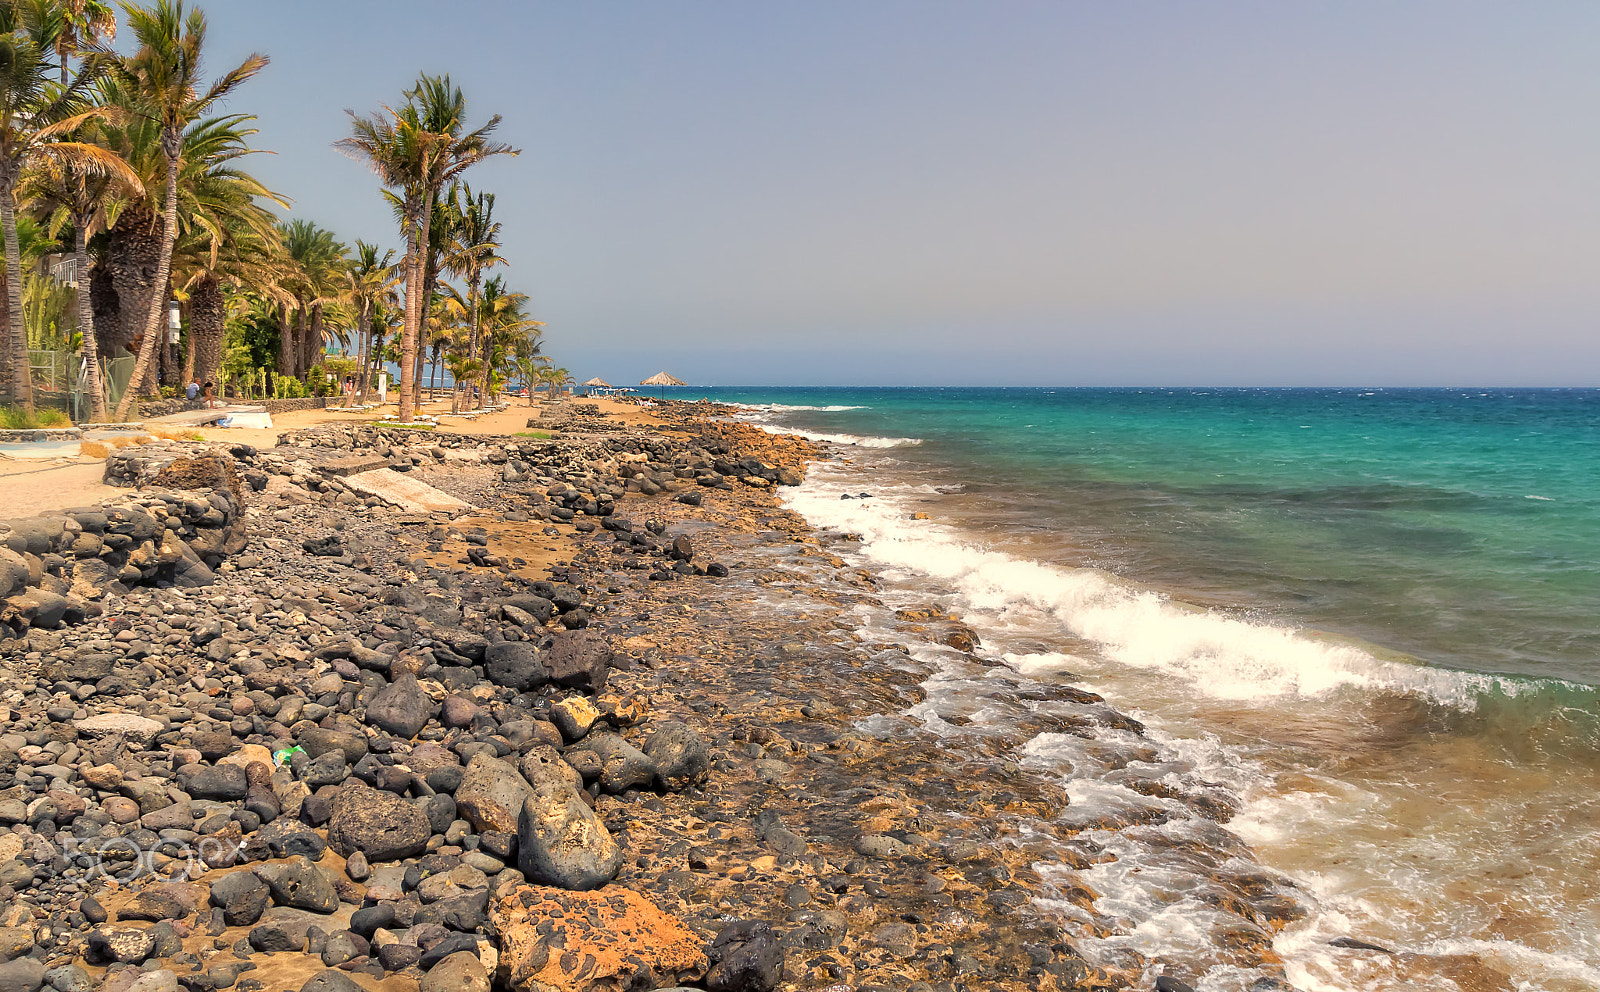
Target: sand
column 31, row 487
column 510, row 421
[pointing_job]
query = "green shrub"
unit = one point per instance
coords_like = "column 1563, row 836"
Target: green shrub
column 15, row 418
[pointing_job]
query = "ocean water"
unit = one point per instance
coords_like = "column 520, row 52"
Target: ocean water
column 1371, row 615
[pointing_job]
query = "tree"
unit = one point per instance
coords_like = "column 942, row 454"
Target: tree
column 83, row 24
column 34, row 114
column 75, row 194
column 243, row 254
column 473, row 248
column 315, row 276
column 417, row 150
column 507, row 327
column 164, row 77
column 370, row 282
column 214, row 195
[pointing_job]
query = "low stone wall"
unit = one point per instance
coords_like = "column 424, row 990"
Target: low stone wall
column 148, row 409
column 54, row 568
column 39, row 434
column 289, row 406
column 162, row 408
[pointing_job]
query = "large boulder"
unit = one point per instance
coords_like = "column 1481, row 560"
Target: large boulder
column 241, row 896
column 402, row 709
column 300, row 884
column 611, row 940
column 746, row 957
column 491, row 794
column 515, row 665
column 680, row 755
column 561, row 842
column 622, row 766
column 578, row 659
column 380, row 825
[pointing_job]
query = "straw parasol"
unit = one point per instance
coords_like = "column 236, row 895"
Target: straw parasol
column 597, row 383
column 662, row 379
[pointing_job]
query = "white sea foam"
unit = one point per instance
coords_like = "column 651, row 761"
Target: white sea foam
column 860, row 440
column 798, row 407
column 1224, row 657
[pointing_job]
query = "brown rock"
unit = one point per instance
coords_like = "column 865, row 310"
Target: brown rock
column 607, row 941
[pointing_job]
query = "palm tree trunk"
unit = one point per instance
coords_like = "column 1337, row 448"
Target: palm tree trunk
column 300, row 336
column 366, row 350
column 408, row 327
column 106, row 308
column 21, row 374
column 91, row 346
column 171, row 144
column 314, row 338
column 285, row 341
column 206, row 330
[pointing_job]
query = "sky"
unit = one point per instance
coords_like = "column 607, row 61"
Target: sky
column 998, row 192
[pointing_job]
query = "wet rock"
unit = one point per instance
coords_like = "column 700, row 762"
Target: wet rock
column 561, row 842
column 1353, row 944
column 745, row 957
column 613, row 939
column 378, row 825
column 680, row 755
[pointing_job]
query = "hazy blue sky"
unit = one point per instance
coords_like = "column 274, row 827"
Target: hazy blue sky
column 996, row 192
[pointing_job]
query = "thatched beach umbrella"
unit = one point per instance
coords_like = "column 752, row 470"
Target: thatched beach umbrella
column 662, row 379
column 597, row 383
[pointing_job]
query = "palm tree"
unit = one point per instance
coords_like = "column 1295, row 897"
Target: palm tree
column 213, row 193
column 370, row 280
column 245, row 255
column 418, row 150
column 316, row 277
column 473, row 248
column 76, row 194
column 85, row 23
column 501, row 314
column 164, row 75
column 34, row 113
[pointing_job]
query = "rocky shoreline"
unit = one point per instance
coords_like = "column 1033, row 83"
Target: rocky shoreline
column 613, row 725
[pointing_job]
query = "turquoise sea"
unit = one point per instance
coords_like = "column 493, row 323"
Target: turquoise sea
column 1372, row 613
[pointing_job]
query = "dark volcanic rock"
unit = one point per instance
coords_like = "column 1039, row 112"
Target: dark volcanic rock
column 515, row 665
column 380, row 825
column 578, row 659
column 402, row 709
column 746, row 957
column 680, row 755
column 299, row 884
column 242, row 897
